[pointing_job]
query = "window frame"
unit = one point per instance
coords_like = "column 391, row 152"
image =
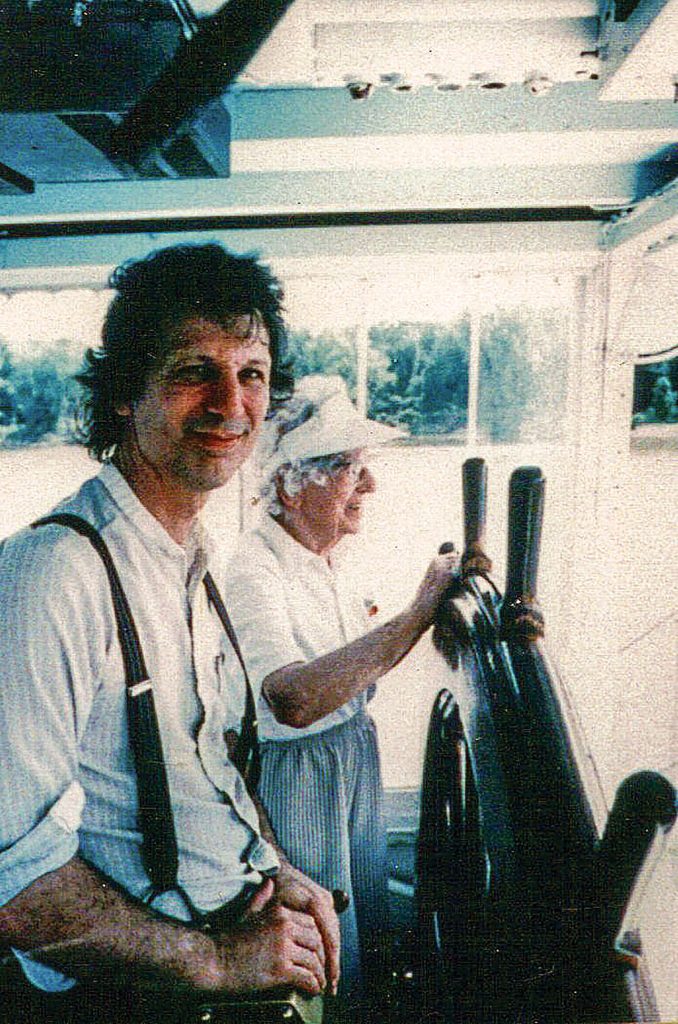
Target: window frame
column 363, row 274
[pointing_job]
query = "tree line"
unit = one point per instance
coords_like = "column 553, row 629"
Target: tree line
column 417, row 378
column 418, row 374
column 38, row 396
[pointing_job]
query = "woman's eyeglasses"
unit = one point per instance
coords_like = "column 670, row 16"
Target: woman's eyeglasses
column 352, row 465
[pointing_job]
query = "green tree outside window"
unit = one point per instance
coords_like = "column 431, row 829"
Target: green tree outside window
column 418, row 377
column 329, row 353
column 522, row 388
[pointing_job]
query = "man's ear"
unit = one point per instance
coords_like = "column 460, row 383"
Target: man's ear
column 124, row 409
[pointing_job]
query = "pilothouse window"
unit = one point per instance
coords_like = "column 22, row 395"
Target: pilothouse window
column 43, row 335
column 484, row 360
column 646, row 340
column 522, row 387
column 418, row 377
column 655, row 401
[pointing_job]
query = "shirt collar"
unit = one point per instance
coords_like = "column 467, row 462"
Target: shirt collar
column 153, row 532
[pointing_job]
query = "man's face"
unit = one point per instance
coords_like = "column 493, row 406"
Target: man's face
column 198, row 420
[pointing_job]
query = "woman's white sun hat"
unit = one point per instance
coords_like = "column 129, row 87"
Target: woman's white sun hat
column 327, row 422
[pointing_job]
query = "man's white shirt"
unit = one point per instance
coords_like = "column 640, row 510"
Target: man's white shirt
column 69, row 783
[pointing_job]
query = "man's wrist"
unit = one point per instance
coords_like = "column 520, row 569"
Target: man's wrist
column 203, row 962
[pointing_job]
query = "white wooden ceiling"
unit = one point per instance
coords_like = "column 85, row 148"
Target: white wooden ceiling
column 379, row 104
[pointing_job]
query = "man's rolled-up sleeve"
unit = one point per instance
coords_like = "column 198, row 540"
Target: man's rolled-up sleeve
column 47, row 674
column 46, row 847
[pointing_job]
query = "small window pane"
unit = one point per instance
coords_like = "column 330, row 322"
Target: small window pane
column 522, row 386
column 655, row 405
column 330, row 352
column 418, row 377
column 43, row 336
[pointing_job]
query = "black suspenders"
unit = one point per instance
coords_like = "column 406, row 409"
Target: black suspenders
column 156, row 822
column 246, row 757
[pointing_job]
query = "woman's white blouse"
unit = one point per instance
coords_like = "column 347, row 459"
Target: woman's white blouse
column 288, row 605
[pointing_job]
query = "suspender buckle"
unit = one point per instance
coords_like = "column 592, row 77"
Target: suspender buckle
column 138, row 688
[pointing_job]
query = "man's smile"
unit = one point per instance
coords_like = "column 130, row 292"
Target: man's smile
column 217, row 438
column 215, row 442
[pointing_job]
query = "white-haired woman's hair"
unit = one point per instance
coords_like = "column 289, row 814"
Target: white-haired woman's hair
column 293, row 476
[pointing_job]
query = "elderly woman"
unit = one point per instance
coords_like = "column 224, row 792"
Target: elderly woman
column 314, row 654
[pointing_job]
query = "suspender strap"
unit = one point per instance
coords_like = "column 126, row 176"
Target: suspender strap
column 246, row 758
column 159, row 849
column 132, row 655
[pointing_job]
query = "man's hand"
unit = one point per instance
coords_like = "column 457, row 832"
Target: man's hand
column 280, row 942
column 296, row 891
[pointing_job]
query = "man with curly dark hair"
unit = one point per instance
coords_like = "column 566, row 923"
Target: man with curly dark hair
column 192, row 351
column 155, row 294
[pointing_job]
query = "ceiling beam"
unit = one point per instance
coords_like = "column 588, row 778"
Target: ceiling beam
column 568, row 107
column 384, row 154
column 201, row 69
column 14, row 182
column 640, row 54
column 328, row 192
column 337, row 11
column 258, row 222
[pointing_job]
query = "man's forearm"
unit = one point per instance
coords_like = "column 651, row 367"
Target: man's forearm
column 302, row 693
column 76, row 921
